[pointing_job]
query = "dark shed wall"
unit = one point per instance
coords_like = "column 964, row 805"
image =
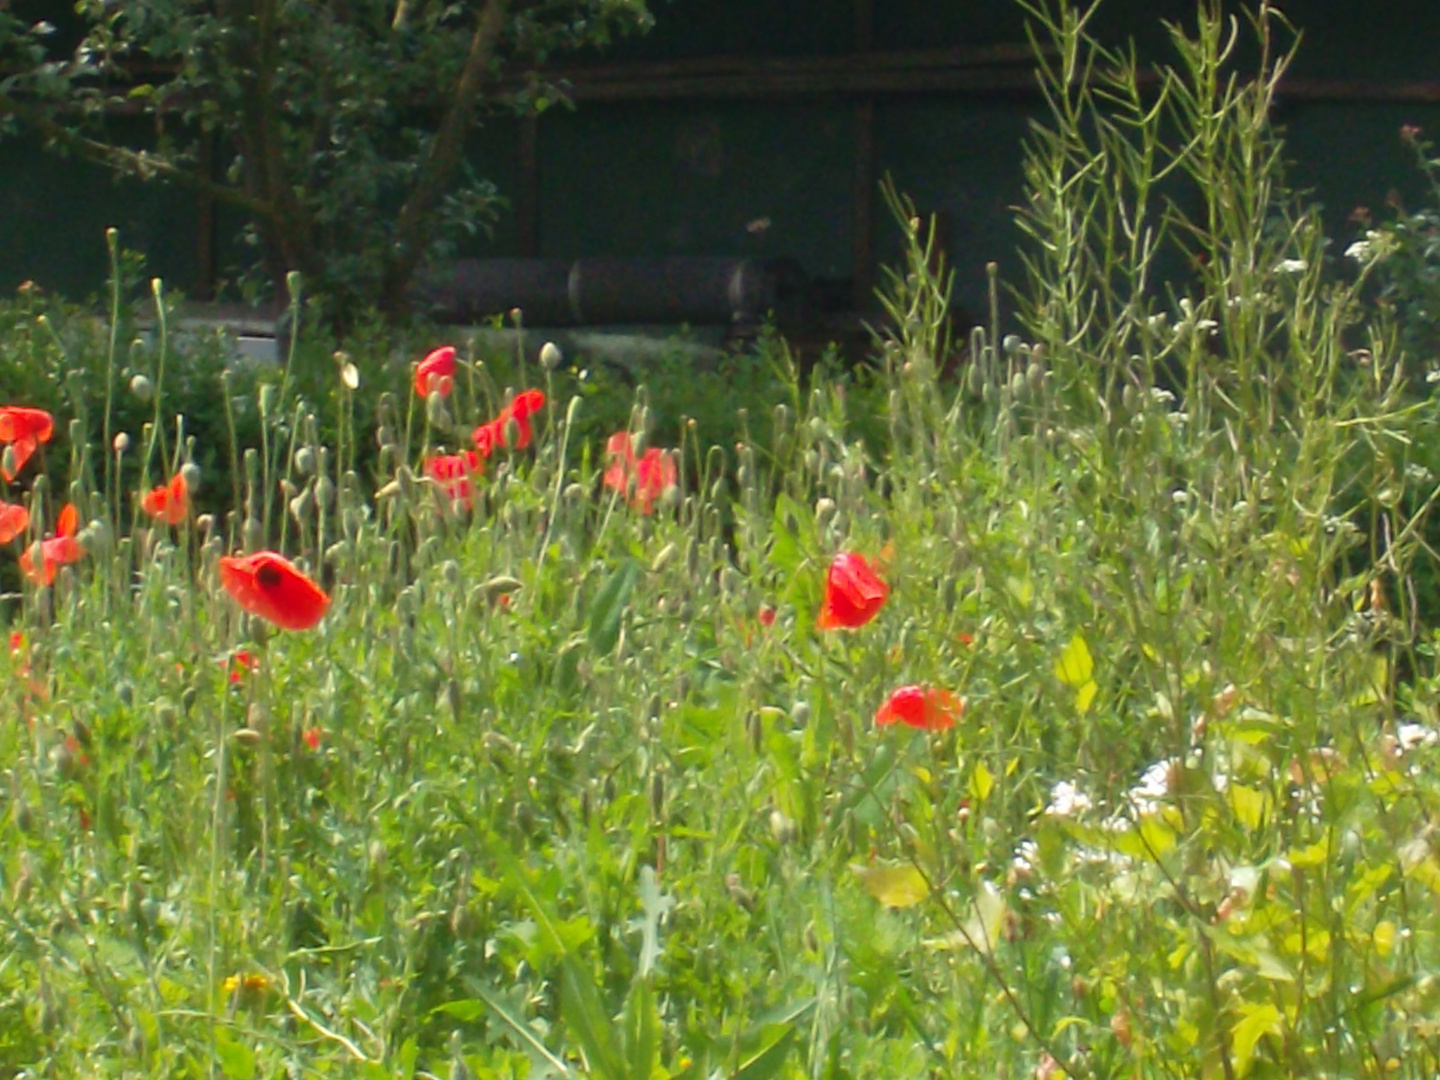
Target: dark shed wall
column 700, row 176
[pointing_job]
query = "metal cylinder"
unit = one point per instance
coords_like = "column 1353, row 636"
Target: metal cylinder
column 700, row 291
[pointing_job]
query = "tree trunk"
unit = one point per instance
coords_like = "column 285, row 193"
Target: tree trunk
column 415, row 223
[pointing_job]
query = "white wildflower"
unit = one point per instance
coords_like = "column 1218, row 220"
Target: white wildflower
column 1066, row 800
column 1154, row 786
column 1291, row 266
column 1413, row 736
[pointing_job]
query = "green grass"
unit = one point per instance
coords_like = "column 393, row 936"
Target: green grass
column 542, row 794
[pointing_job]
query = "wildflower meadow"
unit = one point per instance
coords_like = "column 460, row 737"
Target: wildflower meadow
column 1065, row 710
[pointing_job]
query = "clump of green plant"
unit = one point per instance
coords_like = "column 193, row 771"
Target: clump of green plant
column 1053, row 730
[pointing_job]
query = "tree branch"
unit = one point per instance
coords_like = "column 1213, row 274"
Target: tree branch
column 138, row 163
column 442, row 159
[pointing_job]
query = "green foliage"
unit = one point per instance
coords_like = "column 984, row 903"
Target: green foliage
column 545, row 794
column 336, row 130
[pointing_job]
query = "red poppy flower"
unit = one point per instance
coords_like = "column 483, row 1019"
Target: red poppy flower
column 58, row 550
column 168, row 502
column 646, row 478
column 621, row 451
column 527, row 403
column 312, row 737
column 919, row 707
column 766, row 615
column 14, row 520
column 270, row 586
column 24, row 429
column 436, row 373
column 453, row 472
column 241, row 663
column 853, row 594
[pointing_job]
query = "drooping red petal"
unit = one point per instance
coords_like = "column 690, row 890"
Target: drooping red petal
column 436, row 372
column 14, row 520
column 919, row 707
column 69, row 521
column 853, row 593
column 170, row 502
column 21, row 422
column 271, row 586
column 655, row 473
column 620, row 451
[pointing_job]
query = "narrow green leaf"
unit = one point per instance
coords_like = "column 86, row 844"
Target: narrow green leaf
column 1257, row 1019
column 609, row 606
column 468, row 1010
column 642, row 1031
column 585, row 1017
column 523, row 1032
column 768, row 1062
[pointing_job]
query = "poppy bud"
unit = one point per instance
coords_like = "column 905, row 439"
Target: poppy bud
column 305, row 461
column 121, row 442
column 824, row 510
column 550, row 356
column 142, row 388
column 325, row 491
column 302, row 504
column 663, row 557
column 64, row 760
column 252, row 534
column 574, row 493
column 754, row 731
column 247, row 737
column 435, row 411
column 782, row 828
column 24, row 821
column 735, row 886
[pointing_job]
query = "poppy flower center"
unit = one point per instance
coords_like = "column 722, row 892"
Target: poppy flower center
column 268, row 577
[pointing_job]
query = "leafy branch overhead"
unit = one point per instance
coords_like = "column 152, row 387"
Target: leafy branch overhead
column 337, row 130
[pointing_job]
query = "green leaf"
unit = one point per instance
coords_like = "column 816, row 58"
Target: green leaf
column 468, row 1010
column 894, row 886
column 981, row 782
column 237, row 1061
column 585, row 1017
column 768, row 1062
column 1257, row 1019
column 522, row 1031
column 642, row 1031
column 609, row 607
column 657, row 906
column 1075, row 667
